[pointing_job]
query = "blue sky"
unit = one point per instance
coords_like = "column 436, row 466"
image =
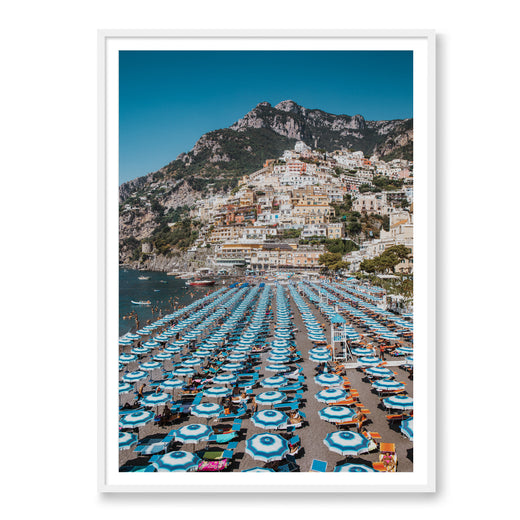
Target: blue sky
column 168, row 99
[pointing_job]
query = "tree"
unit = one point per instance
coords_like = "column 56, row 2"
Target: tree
column 332, row 261
column 387, row 260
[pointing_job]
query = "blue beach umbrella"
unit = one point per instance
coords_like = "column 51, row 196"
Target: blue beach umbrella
column 337, row 414
column 177, row 461
column 162, row 356
column 217, row 391
column 136, row 419
column 278, row 358
column 379, row 372
column 278, row 368
column 241, row 349
column 207, row 410
column 127, row 440
column 388, row 384
column 331, row 395
column 232, row 367
column 355, row 468
column 183, row 371
column 258, row 470
column 125, row 342
column 132, row 377
column 403, row 351
column 151, row 344
column 269, row 419
column 328, row 380
column 173, row 349
column 127, row 358
column 125, row 387
column 133, row 337
column 171, row 384
column 369, row 361
column 273, row 382
column 150, row 365
column 362, row 351
column 192, row 362
column 140, row 350
column 161, row 338
column 346, row 443
column 319, row 350
column 407, row 427
column 156, row 399
column 271, row 397
column 239, row 356
column 398, row 402
column 320, row 358
column 281, row 343
column 281, row 351
column 225, row 379
column 267, row 447
column 193, row 433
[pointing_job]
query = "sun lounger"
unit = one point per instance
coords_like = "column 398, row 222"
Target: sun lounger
column 222, row 438
column 394, row 418
column 291, row 464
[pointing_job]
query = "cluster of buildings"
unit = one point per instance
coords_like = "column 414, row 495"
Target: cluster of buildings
column 260, row 223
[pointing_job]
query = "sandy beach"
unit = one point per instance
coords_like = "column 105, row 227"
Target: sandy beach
column 314, row 429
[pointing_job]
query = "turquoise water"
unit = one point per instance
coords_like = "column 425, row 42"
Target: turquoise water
column 166, row 293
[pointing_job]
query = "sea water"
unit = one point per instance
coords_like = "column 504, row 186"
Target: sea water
column 165, row 293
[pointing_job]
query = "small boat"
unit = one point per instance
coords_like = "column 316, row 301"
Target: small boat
column 141, row 302
column 201, row 282
column 143, row 277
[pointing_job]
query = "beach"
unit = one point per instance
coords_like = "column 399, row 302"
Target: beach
column 314, row 429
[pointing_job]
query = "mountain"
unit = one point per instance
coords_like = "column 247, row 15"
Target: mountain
column 221, row 157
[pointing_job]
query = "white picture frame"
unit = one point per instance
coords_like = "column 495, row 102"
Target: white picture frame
column 422, row 43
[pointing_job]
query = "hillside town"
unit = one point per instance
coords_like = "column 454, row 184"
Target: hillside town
column 284, row 215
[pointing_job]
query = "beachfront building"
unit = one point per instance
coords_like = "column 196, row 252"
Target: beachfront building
column 276, row 256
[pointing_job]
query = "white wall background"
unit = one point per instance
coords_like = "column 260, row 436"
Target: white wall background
column 48, row 158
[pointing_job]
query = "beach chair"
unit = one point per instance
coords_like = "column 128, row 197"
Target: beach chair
column 394, row 418
column 291, row 464
column 388, row 456
column 318, row 466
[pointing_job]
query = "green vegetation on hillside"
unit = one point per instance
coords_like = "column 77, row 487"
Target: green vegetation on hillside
column 387, row 260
